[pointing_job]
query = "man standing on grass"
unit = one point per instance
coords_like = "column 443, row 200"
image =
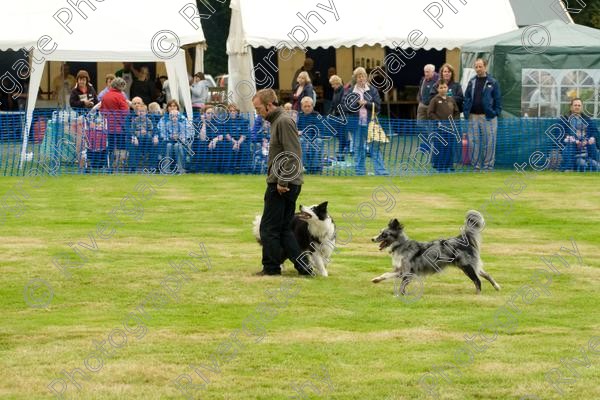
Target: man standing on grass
column 284, row 183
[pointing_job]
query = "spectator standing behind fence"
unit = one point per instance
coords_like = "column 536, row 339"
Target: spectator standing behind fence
column 174, row 130
column 328, row 91
column 155, row 113
column 96, row 141
column 482, row 107
column 310, row 130
column 259, row 130
column 441, row 108
column 128, row 73
column 217, row 146
column 302, row 89
column 83, row 94
column 236, row 131
column 200, row 92
column 424, row 94
column 155, row 110
column 128, row 158
column 208, row 138
column 308, row 67
column 108, row 79
column 143, row 144
column 580, row 140
column 143, row 87
column 62, row 86
column 289, row 110
column 115, row 108
column 358, row 101
column 448, row 74
column 334, row 117
column 161, row 98
column 259, row 139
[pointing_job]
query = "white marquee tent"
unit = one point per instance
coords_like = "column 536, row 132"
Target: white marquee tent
column 128, row 30
column 345, row 23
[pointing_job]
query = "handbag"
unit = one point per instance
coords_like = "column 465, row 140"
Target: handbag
column 466, row 155
column 375, row 131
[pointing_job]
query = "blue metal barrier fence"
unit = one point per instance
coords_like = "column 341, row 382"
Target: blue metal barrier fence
column 79, row 141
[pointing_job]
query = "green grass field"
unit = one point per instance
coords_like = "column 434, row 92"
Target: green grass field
column 370, row 343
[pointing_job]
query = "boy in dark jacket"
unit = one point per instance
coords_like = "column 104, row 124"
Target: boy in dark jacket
column 443, row 108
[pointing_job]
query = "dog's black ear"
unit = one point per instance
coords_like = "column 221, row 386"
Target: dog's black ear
column 323, row 205
column 394, row 224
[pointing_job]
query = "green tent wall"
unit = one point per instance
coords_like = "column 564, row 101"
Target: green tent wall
column 566, row 47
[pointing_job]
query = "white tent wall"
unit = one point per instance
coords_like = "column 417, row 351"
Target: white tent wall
column 241, row 82
column 240, row 61
column 34, row 84
column 199, row 62
column 180, row 86
column 335, row 23
column 104, row 68
column 96, row 31
column 176, row 71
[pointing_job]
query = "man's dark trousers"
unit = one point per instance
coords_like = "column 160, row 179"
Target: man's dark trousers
column 275, row 231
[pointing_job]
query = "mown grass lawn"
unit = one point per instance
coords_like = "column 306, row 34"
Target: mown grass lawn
column 371, row 344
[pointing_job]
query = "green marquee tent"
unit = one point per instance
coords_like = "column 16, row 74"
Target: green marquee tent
column 540, row 67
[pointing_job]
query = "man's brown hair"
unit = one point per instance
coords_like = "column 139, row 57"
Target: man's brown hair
column 266, row 96
column 484, row 61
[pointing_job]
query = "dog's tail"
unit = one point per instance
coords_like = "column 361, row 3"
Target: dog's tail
column 256, row 228
column 474, row 225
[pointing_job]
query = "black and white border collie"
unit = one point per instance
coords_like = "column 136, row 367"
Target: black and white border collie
column 314, row 230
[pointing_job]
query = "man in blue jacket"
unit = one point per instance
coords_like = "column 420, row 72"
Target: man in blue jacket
column 482, row 106
column 430, row 77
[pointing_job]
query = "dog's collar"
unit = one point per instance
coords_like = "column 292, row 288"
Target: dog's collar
column 394, row 248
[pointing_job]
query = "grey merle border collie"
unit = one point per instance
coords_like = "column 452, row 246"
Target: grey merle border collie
column 413, row 258
column 314, row 230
